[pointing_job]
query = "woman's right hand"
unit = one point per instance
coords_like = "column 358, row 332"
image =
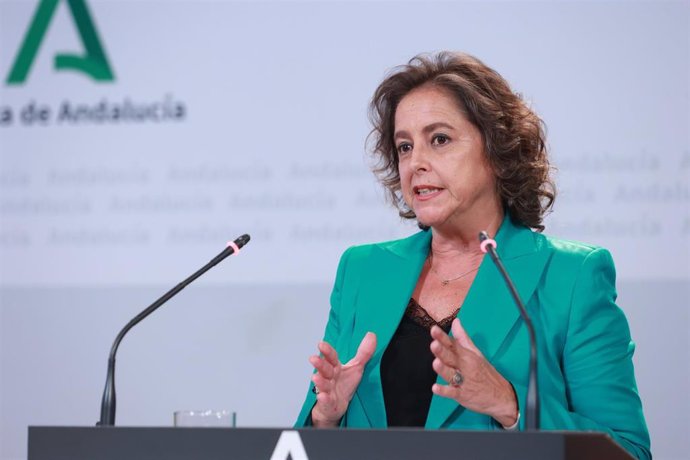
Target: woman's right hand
column 337, row 382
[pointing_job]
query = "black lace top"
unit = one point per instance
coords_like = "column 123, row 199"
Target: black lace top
column 406, row 372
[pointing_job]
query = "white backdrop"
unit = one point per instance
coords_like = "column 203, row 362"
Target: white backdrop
column 264, row 129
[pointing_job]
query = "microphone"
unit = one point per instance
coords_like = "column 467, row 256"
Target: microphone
column 488, row 245
column 108, row 401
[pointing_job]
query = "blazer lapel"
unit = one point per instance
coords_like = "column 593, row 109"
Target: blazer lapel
column 489, row 312
column 390, row 279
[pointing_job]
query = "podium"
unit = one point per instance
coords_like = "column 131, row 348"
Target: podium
column 153, row 443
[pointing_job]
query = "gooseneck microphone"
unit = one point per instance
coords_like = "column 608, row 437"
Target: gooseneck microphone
column 488, row 245
column 108, row 401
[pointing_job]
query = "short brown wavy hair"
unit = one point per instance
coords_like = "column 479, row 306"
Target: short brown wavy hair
column 514, row 136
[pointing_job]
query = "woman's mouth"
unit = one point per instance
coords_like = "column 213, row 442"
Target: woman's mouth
column 425, row 192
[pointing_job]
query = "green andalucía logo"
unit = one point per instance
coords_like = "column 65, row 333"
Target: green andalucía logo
column 94, row 61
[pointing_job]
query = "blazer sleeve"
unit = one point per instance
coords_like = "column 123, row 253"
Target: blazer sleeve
column 331, row 335
column 597, row 364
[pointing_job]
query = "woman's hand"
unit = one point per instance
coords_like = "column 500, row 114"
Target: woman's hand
column 482, row 388
column 336, row 382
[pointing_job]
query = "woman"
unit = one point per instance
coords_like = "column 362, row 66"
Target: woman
column 461, row 153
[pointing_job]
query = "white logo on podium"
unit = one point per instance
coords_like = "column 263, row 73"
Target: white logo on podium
column 290, row 444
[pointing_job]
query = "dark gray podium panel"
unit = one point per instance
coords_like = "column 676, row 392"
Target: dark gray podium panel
column 130, row 443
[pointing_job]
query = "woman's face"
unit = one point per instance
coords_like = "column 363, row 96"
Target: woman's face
column 444, row 175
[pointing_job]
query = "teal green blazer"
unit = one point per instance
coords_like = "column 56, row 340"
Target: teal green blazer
column 586, row 377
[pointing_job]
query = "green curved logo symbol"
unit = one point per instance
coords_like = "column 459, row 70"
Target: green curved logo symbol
column 93, row 62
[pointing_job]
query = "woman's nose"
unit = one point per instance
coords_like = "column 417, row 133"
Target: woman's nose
column 419, row 159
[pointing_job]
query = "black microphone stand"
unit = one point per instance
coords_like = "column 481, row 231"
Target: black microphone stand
column 108, row 401
column 532, row 409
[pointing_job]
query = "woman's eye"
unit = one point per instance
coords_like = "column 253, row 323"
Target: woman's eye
column 440, row 139
column 404, row 148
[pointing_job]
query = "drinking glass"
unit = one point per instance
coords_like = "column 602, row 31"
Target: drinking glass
column 205, row 418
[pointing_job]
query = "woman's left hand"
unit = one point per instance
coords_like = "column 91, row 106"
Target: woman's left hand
column 482, row 389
